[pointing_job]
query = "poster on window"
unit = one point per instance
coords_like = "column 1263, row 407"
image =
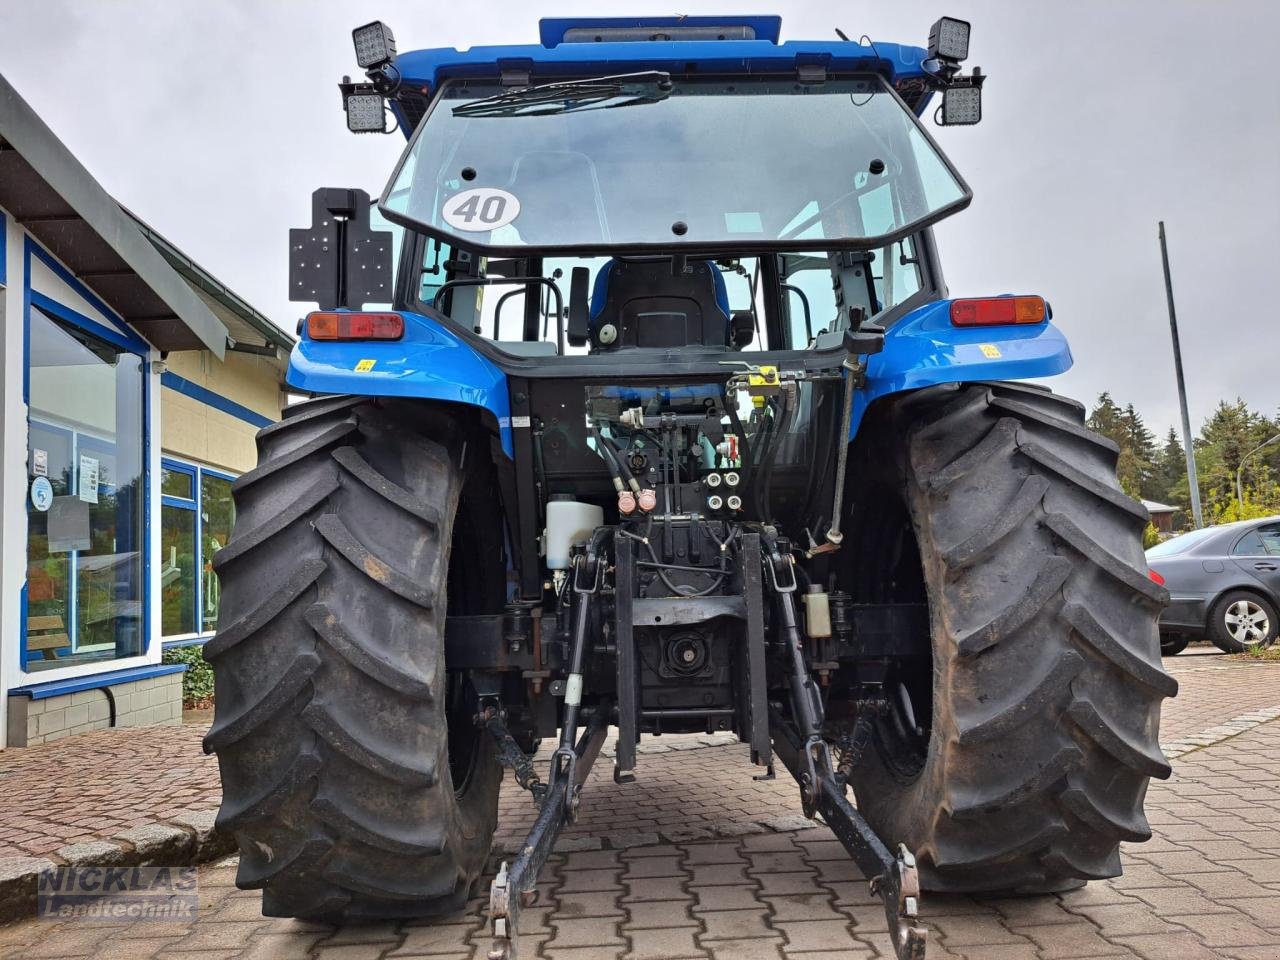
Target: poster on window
column 68, row 525
column 88, row 479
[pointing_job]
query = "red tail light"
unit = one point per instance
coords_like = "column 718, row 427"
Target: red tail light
column 355, row 326
column 998, row 311
column 1156, row 577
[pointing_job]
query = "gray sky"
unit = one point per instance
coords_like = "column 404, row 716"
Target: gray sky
column 215, row 120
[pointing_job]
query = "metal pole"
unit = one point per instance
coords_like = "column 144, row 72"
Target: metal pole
column 1240, row 467
column 1193, row 481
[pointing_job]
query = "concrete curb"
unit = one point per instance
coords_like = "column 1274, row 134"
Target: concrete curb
column 187, row 837
column 1222, row 731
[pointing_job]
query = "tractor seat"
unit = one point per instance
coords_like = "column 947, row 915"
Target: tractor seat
column 640, row 303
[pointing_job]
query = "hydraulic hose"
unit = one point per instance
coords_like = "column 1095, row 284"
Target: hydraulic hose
column 618, row 470
column 744, row 448
column 618, row 460
column 760, row 457
column 776, row 440
column 606, row 454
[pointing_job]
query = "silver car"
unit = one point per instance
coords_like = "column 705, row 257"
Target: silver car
column 1223, row 583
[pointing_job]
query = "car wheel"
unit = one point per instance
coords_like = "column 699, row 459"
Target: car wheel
column 1172, row 644
column 1241, row 620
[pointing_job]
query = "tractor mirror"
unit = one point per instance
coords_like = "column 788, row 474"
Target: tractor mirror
column 579, row 295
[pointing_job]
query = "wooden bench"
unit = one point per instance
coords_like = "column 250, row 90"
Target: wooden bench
column 46, row 635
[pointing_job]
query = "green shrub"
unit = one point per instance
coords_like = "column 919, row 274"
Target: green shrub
column 1270, row 654
column 1233, row 510
column 1150, row 536
column 197, row 680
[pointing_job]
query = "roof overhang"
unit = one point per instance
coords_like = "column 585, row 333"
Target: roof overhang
column 248, row 330
column 50, row 193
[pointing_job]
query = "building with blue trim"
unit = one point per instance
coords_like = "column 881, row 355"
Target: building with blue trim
column 132, row 382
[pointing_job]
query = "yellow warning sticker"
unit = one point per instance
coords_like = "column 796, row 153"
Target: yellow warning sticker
column 364, row 366
column 989, row 350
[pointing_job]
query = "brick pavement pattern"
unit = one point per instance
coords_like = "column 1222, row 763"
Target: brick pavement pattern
column 732, row 873
column 100, row 783
column 1214, row 689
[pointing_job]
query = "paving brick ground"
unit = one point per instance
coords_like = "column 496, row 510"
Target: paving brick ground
column 97, row 784
column 1214, row 689
column 698, row 861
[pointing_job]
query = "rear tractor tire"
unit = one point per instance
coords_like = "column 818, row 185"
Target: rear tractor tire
column 1032, row 739
column 354, row 780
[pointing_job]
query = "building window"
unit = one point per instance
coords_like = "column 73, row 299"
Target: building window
column 217, row 515
column 196, row 516
column 85, row 579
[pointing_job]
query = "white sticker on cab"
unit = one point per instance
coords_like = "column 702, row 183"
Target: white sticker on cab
column 481, row 209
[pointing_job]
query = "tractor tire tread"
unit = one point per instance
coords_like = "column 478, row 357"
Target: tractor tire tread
column 330, row 709
column 1046, row 713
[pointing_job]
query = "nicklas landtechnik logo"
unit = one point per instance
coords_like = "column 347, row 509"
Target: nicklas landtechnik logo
column 118, row 893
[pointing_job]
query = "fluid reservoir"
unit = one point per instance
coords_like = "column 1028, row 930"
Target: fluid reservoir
column 568, row 522
column 817, row 612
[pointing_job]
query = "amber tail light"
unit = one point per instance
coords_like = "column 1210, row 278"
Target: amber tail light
column 998, row 311
column 354, row 326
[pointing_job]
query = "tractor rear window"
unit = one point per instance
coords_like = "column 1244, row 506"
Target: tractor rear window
column 743, row 162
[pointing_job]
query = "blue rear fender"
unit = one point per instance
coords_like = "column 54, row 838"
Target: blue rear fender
column 923, row 349
column 429, row 363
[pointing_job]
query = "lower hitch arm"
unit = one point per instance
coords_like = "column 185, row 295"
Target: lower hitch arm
column 515, row 886
column 894, row 879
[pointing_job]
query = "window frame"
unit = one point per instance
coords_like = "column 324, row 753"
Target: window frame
column 1254, row 532
column 196, row 471
column 774, row 316
column 111, row 328
column 692, row 249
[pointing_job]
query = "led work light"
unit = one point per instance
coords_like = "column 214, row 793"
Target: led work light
column 962, row 100
column 366, row 111
column 949, row 39
column 961, row 95
column 375, row 46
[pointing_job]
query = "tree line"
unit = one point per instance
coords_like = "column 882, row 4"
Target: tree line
column 1153, row 470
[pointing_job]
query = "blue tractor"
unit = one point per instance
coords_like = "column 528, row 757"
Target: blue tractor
column 651, row 412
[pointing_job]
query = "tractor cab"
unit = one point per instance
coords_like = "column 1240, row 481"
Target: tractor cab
column 797, row 172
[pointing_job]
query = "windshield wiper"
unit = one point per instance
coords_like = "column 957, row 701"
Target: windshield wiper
column 650, row 86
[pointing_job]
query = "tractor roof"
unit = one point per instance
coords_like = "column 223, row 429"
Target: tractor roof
column 578, row 54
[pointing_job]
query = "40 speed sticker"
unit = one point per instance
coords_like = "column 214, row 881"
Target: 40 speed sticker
column 484, row 208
